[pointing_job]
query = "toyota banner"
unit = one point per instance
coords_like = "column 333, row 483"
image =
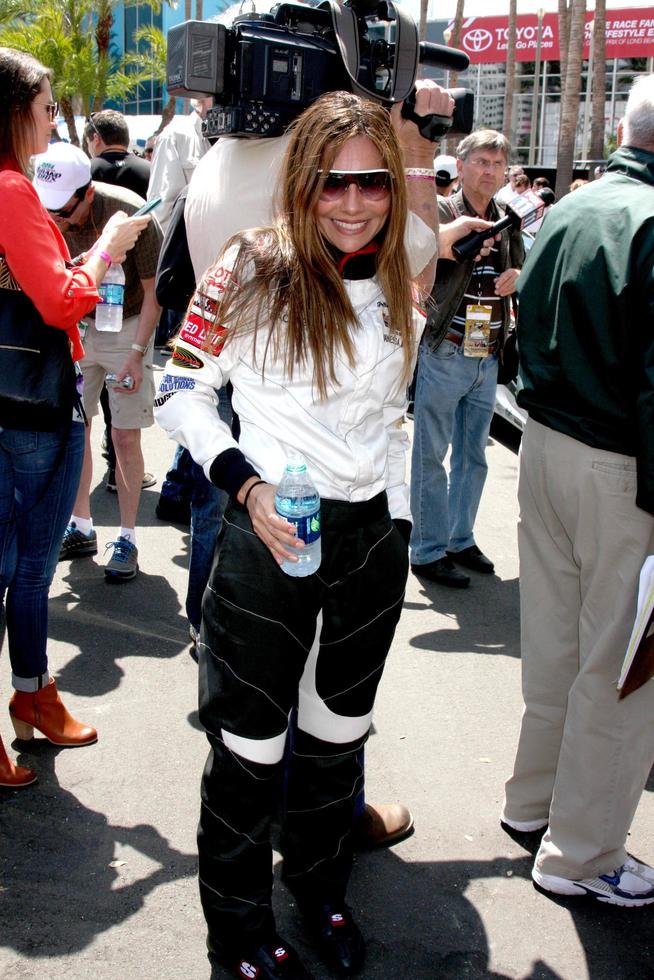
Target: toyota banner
column 629, row 34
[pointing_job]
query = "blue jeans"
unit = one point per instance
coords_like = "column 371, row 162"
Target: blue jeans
column 179, row 478
column 455, row 397
column 39, row 476
column 207, row 507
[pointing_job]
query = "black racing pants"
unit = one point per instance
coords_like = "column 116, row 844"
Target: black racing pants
column 270, row 642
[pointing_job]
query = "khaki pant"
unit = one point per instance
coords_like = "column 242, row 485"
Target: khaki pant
column 105, row 352
column 583, row 756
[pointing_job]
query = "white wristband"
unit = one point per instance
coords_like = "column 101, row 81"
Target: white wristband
column 420, row 172
column 140, row 348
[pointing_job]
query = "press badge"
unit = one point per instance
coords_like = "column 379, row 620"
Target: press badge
column 82, row 326
column 476, row 340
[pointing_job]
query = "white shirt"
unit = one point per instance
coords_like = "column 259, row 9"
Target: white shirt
column 177, row 152
column 353, row 441
column 233, row 188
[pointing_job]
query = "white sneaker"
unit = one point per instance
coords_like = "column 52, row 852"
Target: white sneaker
column 524, row 826
column 630, row 885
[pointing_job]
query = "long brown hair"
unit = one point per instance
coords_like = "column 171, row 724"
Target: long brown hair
column 21, row 77
column 296, row 285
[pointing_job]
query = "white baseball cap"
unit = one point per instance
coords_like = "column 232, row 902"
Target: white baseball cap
column 59, row 172
column 445, row 168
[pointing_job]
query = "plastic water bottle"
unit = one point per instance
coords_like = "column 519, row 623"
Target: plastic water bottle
column 298, row 501
column 109, row 311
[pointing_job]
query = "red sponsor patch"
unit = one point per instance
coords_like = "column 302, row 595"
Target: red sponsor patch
column 219, row 279
column 200, row 320
column 280, row 954
column 338, row 919
column 185, row 359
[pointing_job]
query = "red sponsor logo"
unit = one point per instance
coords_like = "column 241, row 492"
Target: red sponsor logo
column 280, row 954
column 185, row 359
column 219, row 278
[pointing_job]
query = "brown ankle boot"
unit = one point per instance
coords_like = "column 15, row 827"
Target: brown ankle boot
column 45, row 711
column 11, row 775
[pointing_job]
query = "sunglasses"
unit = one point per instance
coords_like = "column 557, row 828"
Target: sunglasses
column 92, row 125
column 53, row 109
column 374, row 185
column 65, row 213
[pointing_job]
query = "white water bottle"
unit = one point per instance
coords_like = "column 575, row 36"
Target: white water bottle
column 109, row 311
column 298, row 502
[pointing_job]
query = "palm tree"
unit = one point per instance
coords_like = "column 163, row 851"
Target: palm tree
column 597, row 126
column 422, row 27
column 73, row 38
column 570, row 97
column 456, row 36
column 564, row 40
column 54, row 34
column 509, row 91
column 149, row 62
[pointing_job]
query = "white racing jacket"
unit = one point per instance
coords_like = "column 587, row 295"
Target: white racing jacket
column 353, row 441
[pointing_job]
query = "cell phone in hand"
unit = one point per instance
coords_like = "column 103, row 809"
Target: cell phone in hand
column 150, row 206
column 112, row 379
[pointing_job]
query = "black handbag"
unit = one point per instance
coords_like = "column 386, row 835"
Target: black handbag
column 37, row 374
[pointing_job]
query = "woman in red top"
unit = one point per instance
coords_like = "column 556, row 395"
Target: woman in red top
column 39, row 471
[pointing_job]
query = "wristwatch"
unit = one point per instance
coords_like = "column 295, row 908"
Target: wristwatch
column 140, row 348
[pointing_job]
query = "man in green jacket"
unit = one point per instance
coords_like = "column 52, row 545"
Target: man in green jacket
column 586, row 493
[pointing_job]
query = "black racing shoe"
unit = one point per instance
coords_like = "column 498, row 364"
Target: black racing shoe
column 272, row 961
column 337, row 938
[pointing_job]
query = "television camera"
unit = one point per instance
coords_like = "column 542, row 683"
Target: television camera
column 265, row 69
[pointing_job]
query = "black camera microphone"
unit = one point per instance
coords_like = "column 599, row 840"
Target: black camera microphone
column 443, row 57
column 520, row 212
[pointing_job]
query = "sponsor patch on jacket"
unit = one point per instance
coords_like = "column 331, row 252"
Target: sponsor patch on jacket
column 391, row 335
column 201, row 317
column 170, row 382
column 183, row 358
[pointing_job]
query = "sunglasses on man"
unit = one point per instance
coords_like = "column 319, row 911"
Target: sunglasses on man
column 68, row 212
column 371, row 184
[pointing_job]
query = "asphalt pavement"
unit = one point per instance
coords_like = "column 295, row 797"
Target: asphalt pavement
column 98, row 859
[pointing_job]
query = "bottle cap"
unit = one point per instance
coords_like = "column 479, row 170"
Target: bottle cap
column 295, row 462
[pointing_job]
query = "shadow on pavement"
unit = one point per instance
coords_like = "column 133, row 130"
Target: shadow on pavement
column 485, row 615
column 59, row 888
column 61, row 892
column 109, row 622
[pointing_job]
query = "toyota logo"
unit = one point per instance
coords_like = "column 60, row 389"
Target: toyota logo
column 477, row 40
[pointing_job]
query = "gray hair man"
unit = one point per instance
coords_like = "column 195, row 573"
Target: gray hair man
column 586, row 497
column 457, row 374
